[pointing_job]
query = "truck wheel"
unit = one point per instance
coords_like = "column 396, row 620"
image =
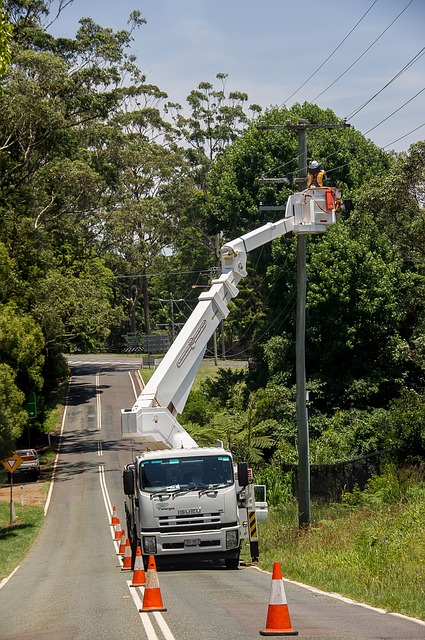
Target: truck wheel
column 232, row 563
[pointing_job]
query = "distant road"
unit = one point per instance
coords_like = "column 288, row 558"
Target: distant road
column 71, row 586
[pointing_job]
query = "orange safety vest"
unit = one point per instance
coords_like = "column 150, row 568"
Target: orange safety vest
column 316, row 179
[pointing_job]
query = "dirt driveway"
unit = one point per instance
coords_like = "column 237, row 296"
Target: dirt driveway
column 25, row 492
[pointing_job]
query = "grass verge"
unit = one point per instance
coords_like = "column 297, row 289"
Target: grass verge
column 372, row 552
column 204, row 371
column 17, row 538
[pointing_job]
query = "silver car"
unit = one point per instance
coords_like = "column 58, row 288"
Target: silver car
column 30, row 465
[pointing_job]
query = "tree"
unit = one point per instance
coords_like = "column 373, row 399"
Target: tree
column 21, row 347
column 5, row 37
column 356, row 309
column 12, row 417
column 396, row 202
column 216, row 120
column 76, row 312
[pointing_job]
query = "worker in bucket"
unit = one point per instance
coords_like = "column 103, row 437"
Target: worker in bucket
column 315, row 175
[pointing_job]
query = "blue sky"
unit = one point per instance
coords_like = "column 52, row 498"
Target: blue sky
column 269, row 48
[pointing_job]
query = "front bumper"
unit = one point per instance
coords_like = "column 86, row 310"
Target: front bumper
column 220, row 543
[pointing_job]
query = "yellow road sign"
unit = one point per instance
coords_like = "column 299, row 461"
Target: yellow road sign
column 12, row 462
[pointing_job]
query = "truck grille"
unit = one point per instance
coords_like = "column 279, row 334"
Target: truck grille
column 193, row 522
column 174, row 546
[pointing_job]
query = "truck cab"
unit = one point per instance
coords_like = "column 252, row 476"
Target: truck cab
column 185, row 503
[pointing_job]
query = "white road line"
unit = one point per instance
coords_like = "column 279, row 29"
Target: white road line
column 144, row 616
column 105, row 494
column 99, row 449
column 163, row 626
column 55, row 464
column 98, row 403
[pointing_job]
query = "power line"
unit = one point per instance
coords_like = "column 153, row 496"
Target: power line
column 163, row 273
column 397, row 75
column 394, row 112
column 404, row 136
column 334, row 51
column 364, row 52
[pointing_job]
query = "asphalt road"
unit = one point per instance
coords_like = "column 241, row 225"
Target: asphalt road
column 71, row 585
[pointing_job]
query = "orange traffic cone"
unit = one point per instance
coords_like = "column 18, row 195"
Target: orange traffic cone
column 278, row 622
column 118, row 531
column 123, row 544
column 139, row 578
column 114, row 520
column 152, row 600
column 126, row 564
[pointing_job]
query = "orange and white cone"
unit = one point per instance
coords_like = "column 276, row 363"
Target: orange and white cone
column 139, row 578
column 118, row 531
column 114, row 519
column 123, row 544
column 278, row 622
column 152, row 600
column 126, row 563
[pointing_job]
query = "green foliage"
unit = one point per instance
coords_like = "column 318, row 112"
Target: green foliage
column 216, row 119
column 76, row 311
column 12, row 417
column 197, row 410
column 5, row 37
column 221, row 386
column 356, row 308
column 406, row 427
column 279, row 486
column 21, row 347
column 358, row 549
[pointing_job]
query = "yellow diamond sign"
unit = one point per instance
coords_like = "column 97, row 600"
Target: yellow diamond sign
column 12, row 462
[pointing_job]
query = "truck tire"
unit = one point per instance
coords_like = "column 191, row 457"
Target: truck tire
column 232, row 563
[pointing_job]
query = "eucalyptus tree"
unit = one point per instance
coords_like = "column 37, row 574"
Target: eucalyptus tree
column 54, row 194
column 216, row 119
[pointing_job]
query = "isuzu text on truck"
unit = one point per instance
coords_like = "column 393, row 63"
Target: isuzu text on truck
column 184, row 500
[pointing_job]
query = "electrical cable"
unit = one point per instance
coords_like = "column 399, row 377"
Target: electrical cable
column 361, row 56
column 397, row 75
column 394, row 112
column 331, row 54
column 404, row 136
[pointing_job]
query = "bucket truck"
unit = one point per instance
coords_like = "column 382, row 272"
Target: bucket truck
column 182, row 500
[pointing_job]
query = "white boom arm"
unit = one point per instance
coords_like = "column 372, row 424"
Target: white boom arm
column 153, row 416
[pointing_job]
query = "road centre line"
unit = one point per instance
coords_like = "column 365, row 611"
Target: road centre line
column 150, row 631
column 166, row 632
column 165, row 629
column 98, row 403
column 144, row 616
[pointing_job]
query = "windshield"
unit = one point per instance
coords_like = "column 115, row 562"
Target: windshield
column 175, row 474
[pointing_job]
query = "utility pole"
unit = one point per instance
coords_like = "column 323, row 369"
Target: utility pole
column 302, row 417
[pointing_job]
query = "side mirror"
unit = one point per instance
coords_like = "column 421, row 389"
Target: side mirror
column 128, row 480
column 243, row 474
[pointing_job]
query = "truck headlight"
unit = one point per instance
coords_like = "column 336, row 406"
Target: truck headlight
column 149, row 545
column 231, row 539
